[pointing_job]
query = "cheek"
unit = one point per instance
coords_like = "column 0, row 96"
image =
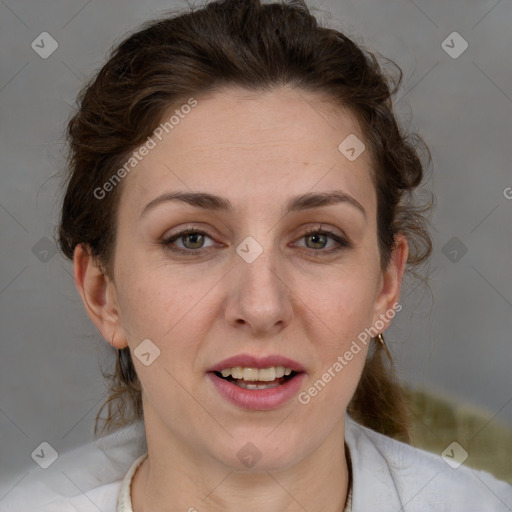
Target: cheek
column 166, row 306
column 341, row 302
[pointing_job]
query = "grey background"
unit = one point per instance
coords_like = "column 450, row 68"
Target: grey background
column 458, row 344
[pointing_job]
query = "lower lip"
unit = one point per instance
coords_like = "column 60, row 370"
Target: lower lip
column 257, row 399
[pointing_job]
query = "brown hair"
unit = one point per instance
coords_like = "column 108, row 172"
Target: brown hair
column 258, row 47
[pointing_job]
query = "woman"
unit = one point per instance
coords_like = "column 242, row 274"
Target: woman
column 240, row 214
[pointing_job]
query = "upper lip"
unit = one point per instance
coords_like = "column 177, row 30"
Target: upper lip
column 249, row 361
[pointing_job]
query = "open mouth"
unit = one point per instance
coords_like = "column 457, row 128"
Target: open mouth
column 258, row 386
column 254, row 383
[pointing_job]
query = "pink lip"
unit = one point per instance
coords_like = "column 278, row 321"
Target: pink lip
column 248, row 361
column 257, row 399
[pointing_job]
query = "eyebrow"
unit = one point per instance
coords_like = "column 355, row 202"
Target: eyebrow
column 219, row 203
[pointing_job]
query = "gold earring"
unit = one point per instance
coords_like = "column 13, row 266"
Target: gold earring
column 380, row 339
column 382, row 344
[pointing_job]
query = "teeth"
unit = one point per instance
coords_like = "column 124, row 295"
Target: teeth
column 251, row 374
column 246, row 385
column 280, row 371
column 257, row 374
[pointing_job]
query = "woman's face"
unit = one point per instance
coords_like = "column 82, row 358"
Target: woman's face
column 250, row 283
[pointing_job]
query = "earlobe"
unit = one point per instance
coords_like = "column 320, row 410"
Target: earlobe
column 98, row 295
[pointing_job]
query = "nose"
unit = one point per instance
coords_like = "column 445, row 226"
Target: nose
column 259, row 298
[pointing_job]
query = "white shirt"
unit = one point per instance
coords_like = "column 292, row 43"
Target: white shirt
column 387, row 476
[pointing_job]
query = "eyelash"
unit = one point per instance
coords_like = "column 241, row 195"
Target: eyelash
column 343, row 244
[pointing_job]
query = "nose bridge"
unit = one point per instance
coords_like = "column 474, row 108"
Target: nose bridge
column 258, row 266
column 258, row 262
column 259, row 296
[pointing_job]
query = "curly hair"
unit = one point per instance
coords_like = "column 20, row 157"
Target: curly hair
column 258, row 47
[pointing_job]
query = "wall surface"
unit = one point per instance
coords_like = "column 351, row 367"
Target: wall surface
column 455, row 341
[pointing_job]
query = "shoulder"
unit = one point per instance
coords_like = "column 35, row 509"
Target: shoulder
column 393, row 475
column 88, row 478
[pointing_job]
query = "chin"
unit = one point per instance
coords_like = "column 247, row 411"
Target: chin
column 256, row 451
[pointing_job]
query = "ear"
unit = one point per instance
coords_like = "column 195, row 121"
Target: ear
column 391, row 282
column 99, row 296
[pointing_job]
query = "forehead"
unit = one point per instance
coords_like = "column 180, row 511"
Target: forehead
column 279, row 142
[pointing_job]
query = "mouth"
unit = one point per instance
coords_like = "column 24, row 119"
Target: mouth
column 257, row 378
column 257, row 383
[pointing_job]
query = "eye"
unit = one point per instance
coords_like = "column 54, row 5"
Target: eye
column 192, row 240
column 318, row 239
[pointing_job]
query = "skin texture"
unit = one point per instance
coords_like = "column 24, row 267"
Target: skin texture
column 296, row 299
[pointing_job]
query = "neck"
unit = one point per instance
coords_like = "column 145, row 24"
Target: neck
column 175, row 477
